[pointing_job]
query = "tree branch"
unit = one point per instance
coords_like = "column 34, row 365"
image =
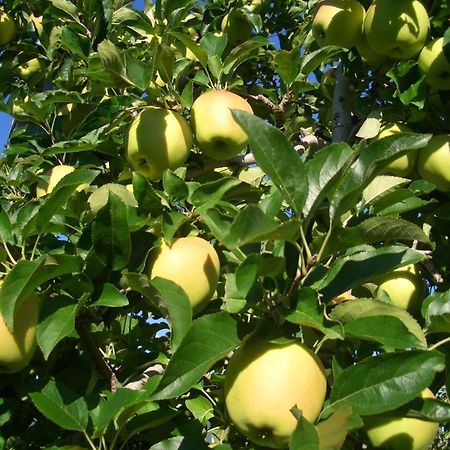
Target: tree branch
column 342, row 120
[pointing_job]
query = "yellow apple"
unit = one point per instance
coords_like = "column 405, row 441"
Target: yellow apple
column 264, row 381
column 217, row 134
column 405, row 286
column 398, row 29
column 368, row 55
column 435, row 65
column 7, row 28
column 392, row 432
column 30, row 68
column 237, row 28
column 338, row 22
column 17, row 347
column 192, row 263
column 433, row 162
column 254, row 6
column 158, row 139
column 54, row 176
column 402, row 166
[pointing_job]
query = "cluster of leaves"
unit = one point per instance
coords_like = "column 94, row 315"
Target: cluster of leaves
column 121, row 361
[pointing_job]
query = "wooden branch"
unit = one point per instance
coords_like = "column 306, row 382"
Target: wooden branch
column 274, row 107
column 342, row 120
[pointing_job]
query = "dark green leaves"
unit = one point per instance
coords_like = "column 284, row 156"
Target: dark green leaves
column 304, row 437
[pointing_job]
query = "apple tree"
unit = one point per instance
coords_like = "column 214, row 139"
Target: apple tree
column 225, row 224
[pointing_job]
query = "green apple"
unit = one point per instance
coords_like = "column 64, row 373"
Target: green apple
column 433, row 162
column 398, row 29
column 405, row 286
column 368, row 55
column 192, row 263
column 264, row 381
column 402, row 166
column 7, row 28
column 435, row 65
column 237, row 28
column 30, row 68
column 158, row 139
column 254, row 6
column 54, row 176
column 217, row 134
column 394, row 432
column 17, row 347
column 338, row 22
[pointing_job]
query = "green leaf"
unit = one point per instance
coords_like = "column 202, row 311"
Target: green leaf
column 385, row 382
column 178, row 443
column 27, row 276
column 174, row 186
column 146, row 197
column 201, row 408
column 196, row 49
column 304, row 437
column 218, row 223
column 287, row 64
column 333, row 430
column 5, row 226
column 210, row 338
column 56, row 321
column 356, row 309
column 313, row 60
column 110, row 233
column 370, row 263
column 62, row 406
column 276, row 157
column 436, row 310
column 111, row 296
column 68, row 7
column 210, row 194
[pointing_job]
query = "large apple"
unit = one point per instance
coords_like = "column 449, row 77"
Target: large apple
column 237, row 28
column 338, row 22
column 264, row 381
column 17, row 347
column 405, row 286
column 217, row 134
column 394, row 432
column 402, row 166
column 7, row 28
column 54, row 176
column 368, row 55
column 192, row 263
column 435, row 65
column 398, row 29
column 158, row 139
column 433, row 162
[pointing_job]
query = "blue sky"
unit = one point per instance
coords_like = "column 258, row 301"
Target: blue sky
column 6, row 119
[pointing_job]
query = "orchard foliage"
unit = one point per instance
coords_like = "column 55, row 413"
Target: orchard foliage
column 306, row 216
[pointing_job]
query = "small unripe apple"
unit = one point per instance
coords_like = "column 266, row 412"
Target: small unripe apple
column 237, row 28
column 264, row 381
column 54, row 175
column 217, row 134
column 7, row 28
column 17, row 347
column 398, row 29
column 433, row 162
column 402, row 166
column 405, row 286
column 158, row 139
column 434, row 64
column 30, row 68
column 193, row 264
column 392, row 432
column 338, row 22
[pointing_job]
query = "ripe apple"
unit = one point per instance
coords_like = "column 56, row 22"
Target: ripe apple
column 402, row 166
column 254, row 6
column 17, row 347
column 158, row 139
column 368, row 55
column 264, row 380
column 435, row 65
column 217, row 134
column 397, row 29
column 405, row 287
column 433, row 162
column 393, row 432
column 237, row 28
column 193, row 264
column 338, row 22
column 7, row 28
column 54, row 176
column 30, row 68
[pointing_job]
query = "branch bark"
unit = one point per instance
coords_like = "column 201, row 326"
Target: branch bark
column 342, row 119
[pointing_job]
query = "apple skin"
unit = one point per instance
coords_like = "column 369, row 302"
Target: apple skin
column 264, row 380
column 55, row 175
column 433, row 162
column 338, row 22
column 405, row 287
column 237, row 28
column 30, row 68
column 7, row 28
column 158, row 139
column 217, row 134
column 18, row 347
column 403, row 166
column 192, row 263
column 368, row 55
column 397, row 29
column 401, row 433
column 435, row 65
